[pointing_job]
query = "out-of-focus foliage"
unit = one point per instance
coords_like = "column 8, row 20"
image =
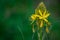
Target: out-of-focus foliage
column 14, row 19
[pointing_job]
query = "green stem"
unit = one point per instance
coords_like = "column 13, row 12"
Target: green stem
column 40, row 34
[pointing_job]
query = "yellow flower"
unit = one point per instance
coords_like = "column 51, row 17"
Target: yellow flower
column 42, row 14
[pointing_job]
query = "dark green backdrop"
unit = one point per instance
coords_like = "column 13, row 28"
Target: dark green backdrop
column 15, row 23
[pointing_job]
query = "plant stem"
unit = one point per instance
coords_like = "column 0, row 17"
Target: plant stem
column 40, row 35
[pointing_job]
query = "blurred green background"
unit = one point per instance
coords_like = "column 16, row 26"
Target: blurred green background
column 15, row 23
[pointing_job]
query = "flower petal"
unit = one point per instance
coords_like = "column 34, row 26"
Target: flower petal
column 46, row 20
column 48, row 23
column 33, row 17
column 41, row 24
column 44, row 12
column 40, row 12
column 47, row 15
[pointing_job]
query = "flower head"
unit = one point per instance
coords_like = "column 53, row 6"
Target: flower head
column 42, row 14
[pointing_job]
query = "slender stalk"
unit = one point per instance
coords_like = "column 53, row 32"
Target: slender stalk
column 21, row 32
column 33, row 36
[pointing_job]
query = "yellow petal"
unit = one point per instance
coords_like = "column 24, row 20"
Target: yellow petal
column 44, row 12
column 41, row 24
column 47, row 15
column 48, row 23
column 39, row 17
column 33, row 17
column 46, row 20
column 40, row 12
